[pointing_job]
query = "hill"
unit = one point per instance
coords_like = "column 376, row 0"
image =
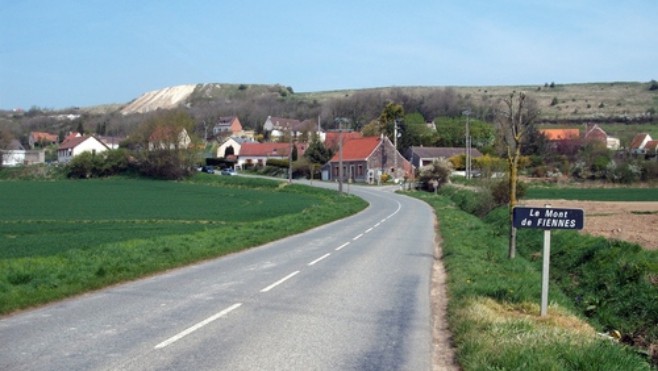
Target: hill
column 569, row 103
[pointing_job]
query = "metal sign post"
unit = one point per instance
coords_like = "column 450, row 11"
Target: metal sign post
column 547, row 219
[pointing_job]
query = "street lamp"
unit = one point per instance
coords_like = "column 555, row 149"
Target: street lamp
column 467, row 113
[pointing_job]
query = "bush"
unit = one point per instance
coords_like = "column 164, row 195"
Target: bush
column 649, row 171
column 166, row 164
column 85, row 165
column 478, row 203
column 500, row 191
column 437, row 173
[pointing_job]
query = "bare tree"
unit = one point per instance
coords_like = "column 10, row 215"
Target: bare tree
column 514, row 120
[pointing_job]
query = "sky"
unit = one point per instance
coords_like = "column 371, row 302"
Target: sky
column 59, row 54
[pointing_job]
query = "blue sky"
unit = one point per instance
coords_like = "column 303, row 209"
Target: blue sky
column 57, row 54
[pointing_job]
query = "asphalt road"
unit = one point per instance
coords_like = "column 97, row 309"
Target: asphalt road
column 351, row 295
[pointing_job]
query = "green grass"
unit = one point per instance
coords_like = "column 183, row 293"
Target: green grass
column 44, row 218
column 493, row 311
column 60, row 238
column 593, row 194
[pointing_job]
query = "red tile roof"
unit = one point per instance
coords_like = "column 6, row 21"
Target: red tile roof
column 331, row 138
column 269, row 149
column 638, row 139
column 40, row 136
column 560, row 134
column 652, row 146
column 72, row 142
column 358, row 149
column 594, row 132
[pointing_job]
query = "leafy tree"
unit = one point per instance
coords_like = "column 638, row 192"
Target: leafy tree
column 516, row 116
column 413, row 131
column 168, row 158
column 372, row 129
column 295, row 154
column 391, row 113
column 316, row 152
column 488, row 165
column 451, row 132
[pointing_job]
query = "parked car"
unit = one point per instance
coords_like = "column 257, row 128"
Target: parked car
column 207, row 169
column 228, row 171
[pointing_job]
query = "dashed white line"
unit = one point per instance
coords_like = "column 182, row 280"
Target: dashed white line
column 368, row 230
column 198, row 326
column 319, row 259
column 378, row 224
column 277, row 283
column 342, row 246
column 357, row 237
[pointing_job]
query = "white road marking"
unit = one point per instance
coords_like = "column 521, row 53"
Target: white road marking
column 357, row 237
column 378, row 224
column 198, row 326
column 318, row 259
column 341, row 246
column 368, row 230
column 277, row 283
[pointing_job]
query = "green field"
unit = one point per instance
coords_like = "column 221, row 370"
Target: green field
column 593, row 194
column 60, row 238
column 45, row 218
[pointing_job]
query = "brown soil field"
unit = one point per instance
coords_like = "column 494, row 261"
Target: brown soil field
column 635, row 222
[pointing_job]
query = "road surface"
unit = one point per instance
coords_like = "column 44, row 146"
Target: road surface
column 351, row 295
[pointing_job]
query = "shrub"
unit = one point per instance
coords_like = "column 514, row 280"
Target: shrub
column 166, row 164
column 500, row 191
column 437, row 173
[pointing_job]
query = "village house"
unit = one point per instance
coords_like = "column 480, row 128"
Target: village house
column 227, row 126
column 593, row 132
column 169, row 138
column 332, row 139
column 366, row 159
column 231, row 147
column 75, row 145
column 110, row 141
column 643, row 145
column 279, row 126
column 40, row 139
column 424, row 156
column 257, row 154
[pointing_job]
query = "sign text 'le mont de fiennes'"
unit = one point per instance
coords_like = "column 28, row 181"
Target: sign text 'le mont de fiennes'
column 547, row 218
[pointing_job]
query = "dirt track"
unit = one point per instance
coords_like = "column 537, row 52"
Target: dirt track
column 635, row 222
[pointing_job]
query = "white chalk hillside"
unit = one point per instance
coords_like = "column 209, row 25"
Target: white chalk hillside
column 164, row 98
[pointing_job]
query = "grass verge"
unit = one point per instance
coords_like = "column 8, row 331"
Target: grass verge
column 493, row 309
column 45, row 274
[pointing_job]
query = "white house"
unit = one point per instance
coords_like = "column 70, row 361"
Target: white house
column 169, row 138
column 231, row 147
column 74, row 146
column 278, row 126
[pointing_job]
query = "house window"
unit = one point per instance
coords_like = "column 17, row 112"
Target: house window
column 359, row 170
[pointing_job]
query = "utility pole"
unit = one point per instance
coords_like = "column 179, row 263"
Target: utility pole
column 395, row 154
column 290, row 158
column 468, row 144
column 340, row 155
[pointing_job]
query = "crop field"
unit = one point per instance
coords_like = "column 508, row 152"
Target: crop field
column 45, row 218
column 61, row 238
column 593, row 194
